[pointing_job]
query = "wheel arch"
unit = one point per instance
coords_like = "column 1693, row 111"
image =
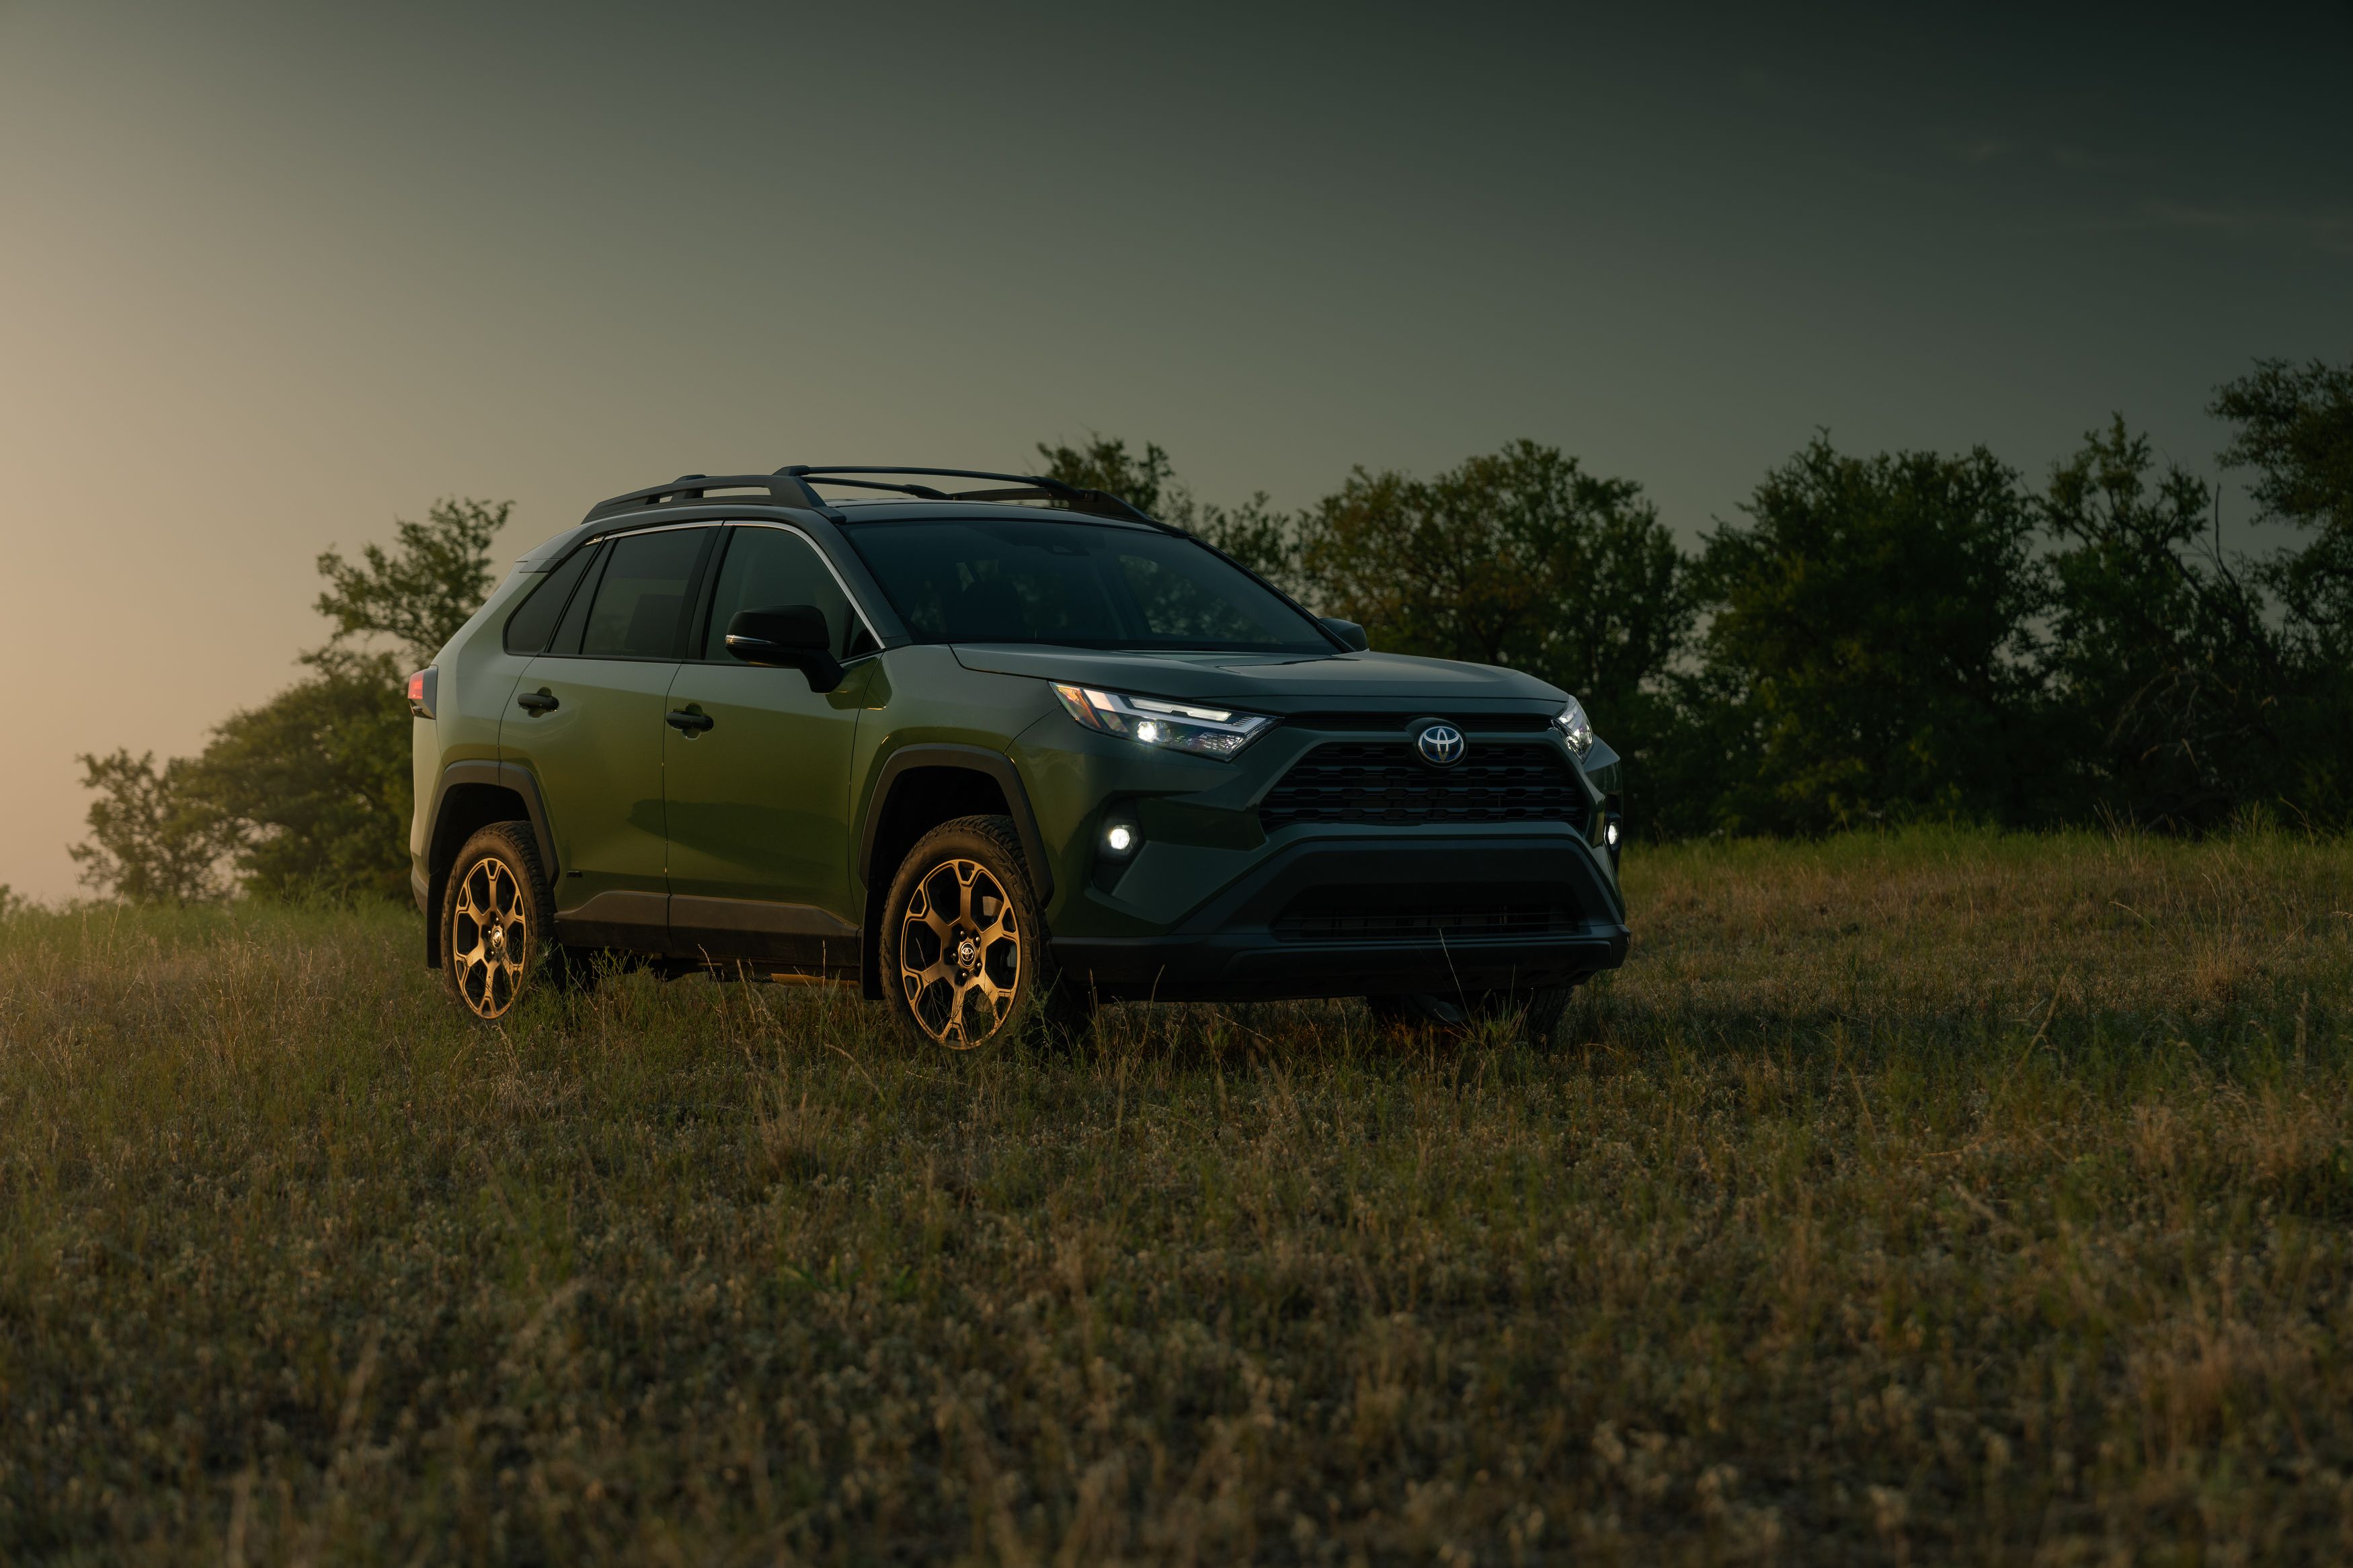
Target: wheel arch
column 917, row 788
column 469, row 796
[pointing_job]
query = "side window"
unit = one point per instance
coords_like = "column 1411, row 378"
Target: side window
column 641, row 605
column 534, row 620
column 767, row 568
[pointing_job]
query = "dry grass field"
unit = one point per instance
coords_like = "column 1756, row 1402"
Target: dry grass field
column 1941, row 1197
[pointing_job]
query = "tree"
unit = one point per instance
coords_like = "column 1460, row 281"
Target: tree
column 316, row 781
column 1105, row 463
column 1517, row 558
column 152, row 839
column 308, row 794
column 1521, row 558
column 2162, row 663
column 2295, row 429
column 437, row 574
column 1254, row 533
column 1868, row 651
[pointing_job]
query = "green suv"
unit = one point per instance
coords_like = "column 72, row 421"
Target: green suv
column 991, row 756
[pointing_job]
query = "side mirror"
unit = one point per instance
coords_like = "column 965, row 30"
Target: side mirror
column 790, row 637
column 1348, row 632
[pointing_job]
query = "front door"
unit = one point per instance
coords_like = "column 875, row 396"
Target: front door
column 757, row 772
column 587, row 717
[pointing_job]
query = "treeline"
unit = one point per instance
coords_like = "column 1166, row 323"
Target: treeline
column 1877, row 638
column 1881, row 638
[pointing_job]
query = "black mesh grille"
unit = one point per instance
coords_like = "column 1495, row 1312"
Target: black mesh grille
column 1385, row 782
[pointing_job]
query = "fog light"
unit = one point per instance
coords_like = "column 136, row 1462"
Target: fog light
column 1609, row 832
column 1120, row 840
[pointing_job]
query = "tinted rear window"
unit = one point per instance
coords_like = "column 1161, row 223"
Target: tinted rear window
column 1075, row 584
column 533, row 621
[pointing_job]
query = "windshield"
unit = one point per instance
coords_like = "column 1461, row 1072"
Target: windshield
column 1078, row 584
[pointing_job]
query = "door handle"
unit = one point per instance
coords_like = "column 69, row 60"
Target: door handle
column 538, row 702
column 687, row 723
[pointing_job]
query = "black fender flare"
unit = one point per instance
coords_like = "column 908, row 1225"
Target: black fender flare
column 498, row 775
column 997, row 765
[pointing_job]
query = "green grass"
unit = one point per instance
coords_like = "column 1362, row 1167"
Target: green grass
column 1942, row 1196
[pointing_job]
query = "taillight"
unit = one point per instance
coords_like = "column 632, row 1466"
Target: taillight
column 420, row 690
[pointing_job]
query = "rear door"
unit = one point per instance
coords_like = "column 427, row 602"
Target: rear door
column 587, row 718
column 757, row 778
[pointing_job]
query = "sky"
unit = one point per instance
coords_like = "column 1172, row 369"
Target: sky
column 272, row 277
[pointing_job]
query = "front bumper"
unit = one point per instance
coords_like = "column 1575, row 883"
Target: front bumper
column 1335, row 916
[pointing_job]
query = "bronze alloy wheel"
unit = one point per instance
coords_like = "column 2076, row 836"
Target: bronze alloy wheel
column 960, row 953
column 489, row 928
column 498, row 920
column 965, row 954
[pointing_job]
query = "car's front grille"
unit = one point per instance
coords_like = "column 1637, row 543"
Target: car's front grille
column 1386, row 783
column 1326, row 919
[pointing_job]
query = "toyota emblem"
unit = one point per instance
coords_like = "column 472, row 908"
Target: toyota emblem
column 1440, row 745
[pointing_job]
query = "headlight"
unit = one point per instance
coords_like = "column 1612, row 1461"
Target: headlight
column 1578, row 728
column 1203, row 730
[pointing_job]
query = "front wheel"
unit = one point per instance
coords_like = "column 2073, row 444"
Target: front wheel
column 963, row 952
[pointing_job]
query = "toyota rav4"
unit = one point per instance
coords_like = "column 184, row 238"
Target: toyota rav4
column 992, row 756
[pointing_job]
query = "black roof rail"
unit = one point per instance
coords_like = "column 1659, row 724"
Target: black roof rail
column 1030, row 487
column 784, row 489
column 921, row 492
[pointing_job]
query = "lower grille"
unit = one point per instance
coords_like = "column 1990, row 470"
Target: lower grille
column 1386, row 783
column 1319, row 921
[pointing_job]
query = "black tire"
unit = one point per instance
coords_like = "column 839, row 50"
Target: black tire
column 1539, row 1011
column 491, row 962
column 964, row 960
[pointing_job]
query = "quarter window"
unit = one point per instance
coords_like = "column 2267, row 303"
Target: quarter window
column 534, row 620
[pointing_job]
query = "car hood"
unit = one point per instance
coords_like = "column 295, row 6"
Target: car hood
column 1278, row 683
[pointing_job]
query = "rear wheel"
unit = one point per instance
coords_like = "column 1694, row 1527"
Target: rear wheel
column 1539, row 1010
column 498, row 923
column 963, row 955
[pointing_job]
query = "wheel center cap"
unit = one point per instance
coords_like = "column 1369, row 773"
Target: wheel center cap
column 967, row 954
column 498, row 936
